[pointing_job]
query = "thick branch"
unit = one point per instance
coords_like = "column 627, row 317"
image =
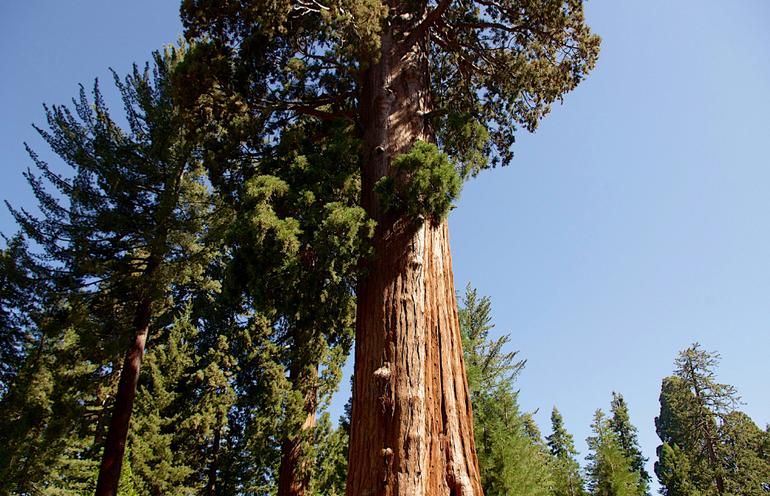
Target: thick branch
column 427, row 22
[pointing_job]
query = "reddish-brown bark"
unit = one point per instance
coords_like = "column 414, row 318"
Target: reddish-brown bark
column 115, row 445
column 411, row 430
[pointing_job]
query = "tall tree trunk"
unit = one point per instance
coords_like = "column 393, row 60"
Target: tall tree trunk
column 294, row 473
column 211, row 483
column 115, row 446
column 412, row 425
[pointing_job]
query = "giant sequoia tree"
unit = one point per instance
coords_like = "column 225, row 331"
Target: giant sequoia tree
column 436, row 92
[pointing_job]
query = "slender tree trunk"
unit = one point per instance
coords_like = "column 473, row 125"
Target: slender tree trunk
column 211, row 484
column 412, row 425
column 294, row 473
column 115, row 446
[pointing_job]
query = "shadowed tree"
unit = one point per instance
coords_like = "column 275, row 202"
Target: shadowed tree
column 436, row 92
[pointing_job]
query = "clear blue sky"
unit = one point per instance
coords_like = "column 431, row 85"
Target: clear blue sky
column 634, row 222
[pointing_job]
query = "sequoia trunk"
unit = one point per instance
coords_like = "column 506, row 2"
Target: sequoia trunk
column 412, row 427
column 115, row 446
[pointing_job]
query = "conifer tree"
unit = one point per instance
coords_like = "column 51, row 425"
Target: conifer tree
column 436, row 92
column 708, row 447
column 128, row 240
column 297, row 243
column 747, row 465
column 512, row 456
column 620, row 422
column 567, row 480
column 16, row 304
column 610, row 471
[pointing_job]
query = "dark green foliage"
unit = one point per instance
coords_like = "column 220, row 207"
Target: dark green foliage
column 627, row 437
column 565, row 470
column 128, row 225
column 512, row 456
column 708, row 446
column 747, row 464
column 674, row 472
column 17, row 302
column 494, row 66
column 610, row 471
column 681, row 441
column 182, row 403
column 425, row 184
column 295, row 247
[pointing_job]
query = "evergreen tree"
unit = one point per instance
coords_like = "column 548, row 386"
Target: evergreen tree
column 16, row 305
column 674, row 472
column 747, row 466
column 126, row 245
column 297, row 243
column 692, row 404
column 708, row 447
column 512, row 455
column 565, row 469
column 627, row 437
column 610, row 471
column 407, row 76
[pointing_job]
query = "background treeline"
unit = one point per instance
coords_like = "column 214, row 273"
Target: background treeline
column 232, row 287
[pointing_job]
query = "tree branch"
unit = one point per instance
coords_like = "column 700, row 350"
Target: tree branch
column 428, row 21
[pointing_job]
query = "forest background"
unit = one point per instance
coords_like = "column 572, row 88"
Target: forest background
column 634, row 222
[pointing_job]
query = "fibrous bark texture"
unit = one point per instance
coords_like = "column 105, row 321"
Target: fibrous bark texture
column 412, row 426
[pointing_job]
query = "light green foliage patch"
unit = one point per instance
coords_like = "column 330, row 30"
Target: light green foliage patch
column 424, row 184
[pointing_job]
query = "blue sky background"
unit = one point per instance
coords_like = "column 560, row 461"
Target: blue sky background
column 633, row 223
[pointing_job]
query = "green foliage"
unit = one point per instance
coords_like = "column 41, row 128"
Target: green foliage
column 331, row 459
column 610, row 471
column 487, row 365
column 494, row 66
column 424, row 185
column 128, row 225
column 512, row 457
column 466, row 140
column 674, row 472
column 620, row 423
column 708, row 447
column 17, row 303
column 565, row 469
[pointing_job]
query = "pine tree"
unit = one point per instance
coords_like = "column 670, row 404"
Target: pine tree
column 16, row 305
column 408, row 77
column 512, row 455
column 709, row 447
column 128, row 240
column 567, row 480
column 692, row 404
column 627, row 437
column 610, row 472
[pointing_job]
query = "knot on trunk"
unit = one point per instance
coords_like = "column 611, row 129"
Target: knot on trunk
column 383, row 373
